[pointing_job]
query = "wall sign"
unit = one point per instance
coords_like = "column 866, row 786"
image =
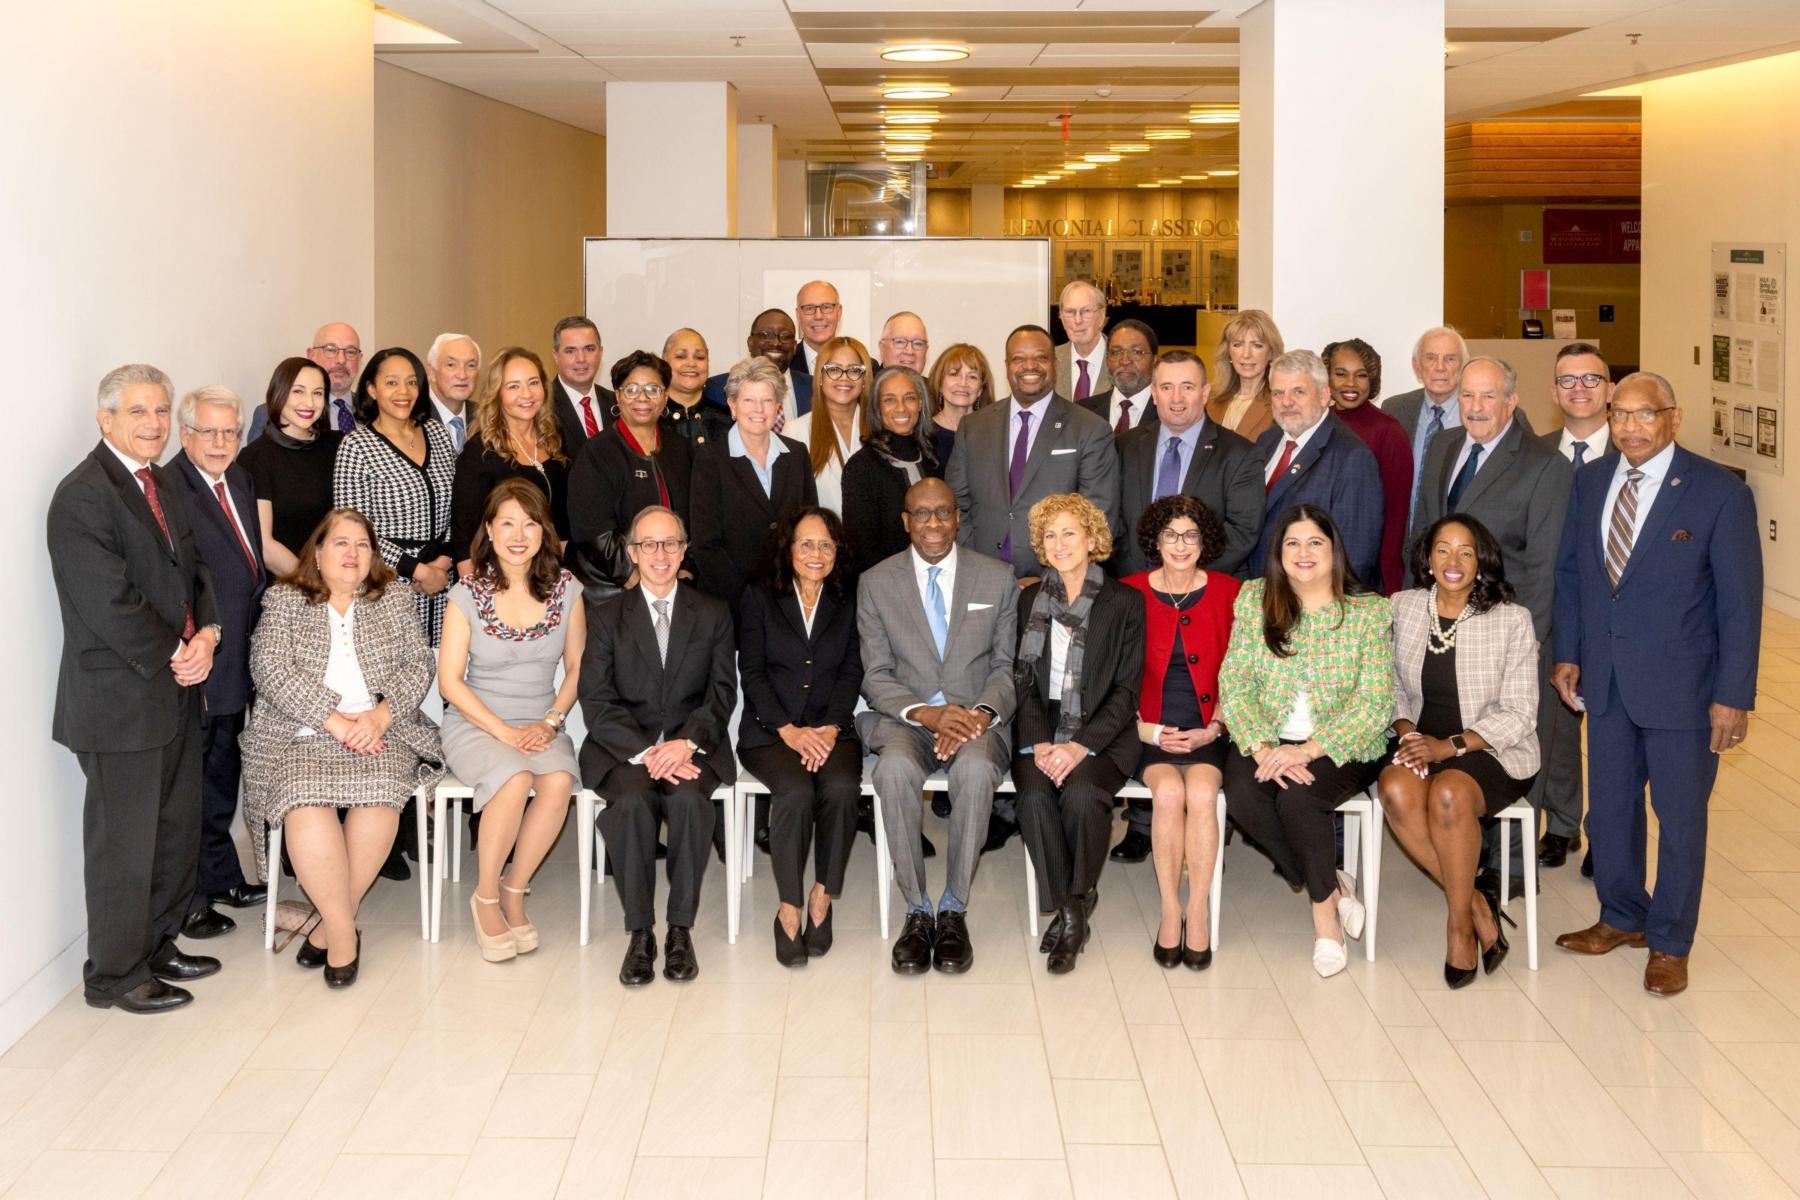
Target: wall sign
column 1592, row 235
column 1136, row 227
column 1747, row 297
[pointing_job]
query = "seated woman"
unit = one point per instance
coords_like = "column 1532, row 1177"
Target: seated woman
column 1465, row 705
column 512, row 621
column 1188, row 625
column 1307, row 691
column 340, row 665
column 515, row 437
column 901, row 451
column 801, row 669
column 1076, row 675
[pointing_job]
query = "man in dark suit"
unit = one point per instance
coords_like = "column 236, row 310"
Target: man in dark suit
column 1658, row 626
column 772, row 337
column 658, row 683
column 1034, row 444
column 903, row 343
column 337, row 350
column 220, row 501
column 820, row 312
column 1311, row 457
column 139, row 630
column 1430, row 408
column 1180, row 451
column 1130, row 352
column 583, row 408
column 1081, row 368
column 1582, row 386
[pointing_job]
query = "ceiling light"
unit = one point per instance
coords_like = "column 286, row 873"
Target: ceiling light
column 1081, row 166
column 911, row 118
column 1231, row 171
column 1149, row 185
column 1194, row 178
column 1129, row 147
column 916, row 91
column 1101, row 158
column 1166, row 135
column 1213, row 116
column 1174, row 182
column 925, row 54
column 907, row 135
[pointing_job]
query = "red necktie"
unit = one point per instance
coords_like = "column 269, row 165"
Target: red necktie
column 231, row 520
column 1287, row 456
column 587, row 417
column 1082, row 385
column 156, row 510
column 1124, row 425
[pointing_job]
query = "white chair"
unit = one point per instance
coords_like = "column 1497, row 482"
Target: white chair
column 1362, row 847
column 1526, row 817
column 427, row 928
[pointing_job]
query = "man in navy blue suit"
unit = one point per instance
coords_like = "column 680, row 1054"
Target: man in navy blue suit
column 1311, row 457
column 772, row 337
column 1658, row 623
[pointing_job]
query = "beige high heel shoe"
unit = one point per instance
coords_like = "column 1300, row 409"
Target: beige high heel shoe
column 525, row 935
column 495, row 947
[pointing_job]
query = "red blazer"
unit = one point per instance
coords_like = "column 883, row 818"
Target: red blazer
column 1204, row 629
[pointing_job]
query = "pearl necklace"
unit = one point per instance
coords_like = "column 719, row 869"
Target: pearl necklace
column 1437, row 639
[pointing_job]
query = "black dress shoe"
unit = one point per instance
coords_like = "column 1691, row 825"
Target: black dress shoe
column 1052, row 933
column 1458, row 977
column 762, row 840
column 639, row 966
column 1553, row 851
column 206, row 923
column 344, row 976
column 952, row 952
column 1587, row 865
column 309, row 955
column 1134, row 847
column 912, row 949
column 789, row 951
column 1487, row 881
column 940, row 805
column 818, row 937
column 175, row 967
column 679, row 963
column 926, row 849
column 244, row 895
column 999, row 832
column 1195, row 960
column 1494, row 955
column 1074, row 940
column 151, row 996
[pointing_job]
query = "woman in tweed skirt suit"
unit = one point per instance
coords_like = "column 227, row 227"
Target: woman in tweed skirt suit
column 340, row 666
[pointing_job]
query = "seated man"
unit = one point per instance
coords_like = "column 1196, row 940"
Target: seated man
column 658, row 683
column 929, row 707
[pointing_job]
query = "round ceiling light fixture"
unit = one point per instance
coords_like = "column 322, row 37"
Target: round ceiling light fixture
column 925, row 53
column 916, row 91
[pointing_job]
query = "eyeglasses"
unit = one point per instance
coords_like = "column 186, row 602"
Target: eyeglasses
column 1179, row 537
column 818, row 310
column 784, row 337
column 926, row 515
column 215, row 435
column 664, row 546
column 1141, row 353
column 907, row 343
column 1590, row 380
column 649, row 391
column 1637, row 416
column 843, row 371
column 1081, row 314
column 333, row 350
column 810, row 546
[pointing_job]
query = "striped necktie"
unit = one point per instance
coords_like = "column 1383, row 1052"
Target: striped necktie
column 1620, row 529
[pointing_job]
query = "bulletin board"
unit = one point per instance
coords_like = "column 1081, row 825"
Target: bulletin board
column 1749, row 337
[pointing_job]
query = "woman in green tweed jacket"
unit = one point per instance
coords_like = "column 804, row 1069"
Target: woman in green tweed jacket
column 1307, row 692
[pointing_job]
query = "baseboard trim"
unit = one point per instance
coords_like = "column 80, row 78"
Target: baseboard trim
column 42, row 992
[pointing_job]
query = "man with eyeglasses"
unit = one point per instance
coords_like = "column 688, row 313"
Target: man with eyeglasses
column 1081, row 366
column 220, row 499
column 584, row 409
column 818, row 310
column 453, row 365
column 1659, row 592
column 902, row 343
column 1583, row 388
column 338, row 351
column 772, row 336
column 1130, row 350
column 658, row 684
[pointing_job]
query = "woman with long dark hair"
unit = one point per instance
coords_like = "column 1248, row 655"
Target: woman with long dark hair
column 292, row 462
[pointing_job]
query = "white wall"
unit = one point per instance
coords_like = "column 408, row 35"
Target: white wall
column 1722, row 163
column 186, row 184
column 643, row 122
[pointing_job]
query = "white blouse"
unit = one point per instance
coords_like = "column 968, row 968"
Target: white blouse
column 343, row 674
column 1060, row 638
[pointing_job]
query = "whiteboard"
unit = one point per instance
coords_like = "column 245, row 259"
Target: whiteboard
column 640, row 290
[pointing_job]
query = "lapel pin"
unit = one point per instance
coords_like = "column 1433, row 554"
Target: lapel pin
column 642, row 474
column 1675, row 482
column 1058, row 425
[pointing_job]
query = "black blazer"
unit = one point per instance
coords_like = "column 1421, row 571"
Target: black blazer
column 1112, row 671
column 609, row 485
column 125, row 592
column 1100, row 404
column 630, row 698
column 1224, row 473
column 874, row 495
column 732, row 518
column 789, row 677
column 568, row 417
column 478, row 471
column 237, row 590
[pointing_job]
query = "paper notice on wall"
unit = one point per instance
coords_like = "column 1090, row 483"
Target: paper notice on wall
column 1721, row 413
column 1721, row 359
column 1743, row 426
column 1768, row 366
column 1768, row 300
column 1743, row 362
column 1743, row 297
column 1765, row 432
column 1721, row 295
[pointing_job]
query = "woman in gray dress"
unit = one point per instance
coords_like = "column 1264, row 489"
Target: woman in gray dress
column 340, row 665
column 511, row 621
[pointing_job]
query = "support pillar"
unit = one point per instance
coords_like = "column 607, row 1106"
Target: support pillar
column 987, row 210
column 756, row 205
column 645, row 122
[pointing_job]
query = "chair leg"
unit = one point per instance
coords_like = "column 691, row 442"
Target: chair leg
column 600, row 850
column 438, row 806
column 747, row 830
column 584, row 853
column 884, row 867
column 274, row 854
column 425, row 877
column 1531, row 905
column 1352, row 844
column 734, row 865
column 456, row 828
column 1371, row 882
column 1031, row 892
column 1506, row 860
column 1218, row 880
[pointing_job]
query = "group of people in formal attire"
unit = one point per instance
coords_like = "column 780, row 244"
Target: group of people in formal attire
column 1106, row 562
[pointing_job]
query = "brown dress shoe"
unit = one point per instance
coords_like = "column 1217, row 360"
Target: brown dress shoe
column 1665, row 974
column 1599, row 938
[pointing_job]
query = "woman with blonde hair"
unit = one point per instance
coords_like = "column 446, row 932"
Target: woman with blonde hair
column 841, row 394
column 1240, row 402
column 515, row 437
column 961, row 382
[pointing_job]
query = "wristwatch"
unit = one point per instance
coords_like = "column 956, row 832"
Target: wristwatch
column 1461, row 743
column 555, row 718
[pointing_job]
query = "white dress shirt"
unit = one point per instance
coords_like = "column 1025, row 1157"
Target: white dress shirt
column 1037, row 411
column 1487, row 453
column 1060, row 639
column 1596, row 443
column 1300, row 444
column 591, row 396
column 343, row 673
column 1140, row 404
column 212, row 485
column 132, row 465
column 830, row 480
column 1655, row 471
column 1096, row 361
column 466, row 416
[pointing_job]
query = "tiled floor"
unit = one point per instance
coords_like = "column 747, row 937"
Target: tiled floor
column 440, row 1075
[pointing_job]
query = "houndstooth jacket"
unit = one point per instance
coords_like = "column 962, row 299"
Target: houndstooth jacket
column 408, row 503
column 1496, row 675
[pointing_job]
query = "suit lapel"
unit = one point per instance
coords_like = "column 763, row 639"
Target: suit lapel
column 245, row 499
column 750, row 485
column 1056, row 414
column 959, row 600
column 1651, row 531
column 1440, row 482
column 1499, row 461
column 1202, row 460
column 1303, row 461
column 133, row 494
column 681, row 636
column 790, row 608
column 640, row 634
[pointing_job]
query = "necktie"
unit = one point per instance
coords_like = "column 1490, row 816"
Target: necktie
column 1461, row 483
column 935, row 611
column 231, row 520
column 1579, row 450
column 780, row 420
column 662, row 630
column 458, row 431
column 1168, row 476
column 156, row 510
column 587, row 417
column 1620, row 530
column 1287, row 456
column 1082, row 385
column 1124, row 424
column 1435, row 425
column 346, row 422
column 1016, row 475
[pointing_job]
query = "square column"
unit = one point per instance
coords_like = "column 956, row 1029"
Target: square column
column 645, row 123
column 1341, row 185
column 756, row 180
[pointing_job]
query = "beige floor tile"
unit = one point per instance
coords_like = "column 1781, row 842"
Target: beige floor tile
column 599, row 1162
column 216, row 1165
column 1193, row 1141
column 514, row 1168
column 393, row 1176
column 1749, row 1108
column 826, row 1031
column 696, row 1179
column 991, row 1098
column 963, row 1008
column 1535, row 1085
column 816, row 1170
column 1100, row 1172
column 436, row 1097
column 901, row 1163
column 538, row 1106
column 1234, row 1013
column 1389, row 1114
column 260, row 1101
column 1495, row 1014
column 161, row 1092
column 18, row 1085
column 1678, row 1119
column 1434, row 1171
column 1739, row 1016
column 711, row 1007
column 723, row 1083
column 1604, row 1037
column 1111, row 1112
column 1273, row 1104
column 1728, row 1176
column 1283, row 1182
column 819, row 1109
column 1487, row 1143
column 994, row 1179
column 61, row 1174
column 1342, row 1031
column 1616, row 1183
column 1083, row 1026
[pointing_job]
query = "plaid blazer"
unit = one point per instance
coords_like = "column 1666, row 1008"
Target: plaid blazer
column 1496, row 675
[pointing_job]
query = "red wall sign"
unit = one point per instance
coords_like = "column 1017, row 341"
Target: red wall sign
column 1592, row 235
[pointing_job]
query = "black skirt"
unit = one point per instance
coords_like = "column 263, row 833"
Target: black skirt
column 1498, row 789
column 1210, row 755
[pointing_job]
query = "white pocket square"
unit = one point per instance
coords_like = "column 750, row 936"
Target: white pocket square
column 1067, row 450
column 973, row 607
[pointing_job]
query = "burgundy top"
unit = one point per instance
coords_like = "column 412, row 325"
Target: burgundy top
column 1386, row 439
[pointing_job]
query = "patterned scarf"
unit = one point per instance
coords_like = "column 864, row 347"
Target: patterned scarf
column 1052, row 604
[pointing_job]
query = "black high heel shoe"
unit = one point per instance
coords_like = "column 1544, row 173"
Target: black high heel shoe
column 1461, row 977
column 789, row 951
column 1169, row 956
column 817, row 937
column 1494, row 955
column 309, row 956
column 344, row 976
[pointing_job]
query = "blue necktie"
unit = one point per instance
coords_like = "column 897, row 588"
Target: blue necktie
column 1435, row 425
column 1168, row 476
column 346, row 423
column 936, row 615
column 456, row 432
column 1461, row 483
column 1579, row 450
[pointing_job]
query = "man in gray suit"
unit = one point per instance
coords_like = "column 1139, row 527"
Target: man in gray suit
column 938, row 625
column 1081, row 369
column 1437, row 362
column 1008, row 456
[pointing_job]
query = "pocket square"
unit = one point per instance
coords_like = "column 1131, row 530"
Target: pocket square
column 1681, row 535
column 973, row 607
column 1065, row 450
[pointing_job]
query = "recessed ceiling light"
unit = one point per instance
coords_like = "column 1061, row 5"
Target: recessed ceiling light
column 1223, row 173
column 1129, row 147
column 1192, row 178
column 1171, row 182
column 1149, row 185
column 1213, row 116
column 907, row 135
column 1101, row 158
column 1081, row 166
column 1166, row 135
column 911, row 118
column 925, row 53
column 916, row 91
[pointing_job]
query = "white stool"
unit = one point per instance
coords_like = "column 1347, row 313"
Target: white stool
column 1526, row 816
column 427, row 930
column 1362, row 847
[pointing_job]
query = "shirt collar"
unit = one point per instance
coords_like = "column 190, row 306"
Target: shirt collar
column 734, row 444
column 132, row 466
column 1595, row 441
column 574, row 395
column 1140, row 398
column 1493, row 443
column 1036, row 408
column 1302, row 439
column 1655, row 470
column 1452, row 407
column 650, row 600
column 920, row 566
column 444, row 413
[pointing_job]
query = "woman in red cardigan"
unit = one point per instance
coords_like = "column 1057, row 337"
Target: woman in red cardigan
column 1187, row 626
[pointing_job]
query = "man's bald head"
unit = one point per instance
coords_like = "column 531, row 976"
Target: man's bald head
column 931, row 519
